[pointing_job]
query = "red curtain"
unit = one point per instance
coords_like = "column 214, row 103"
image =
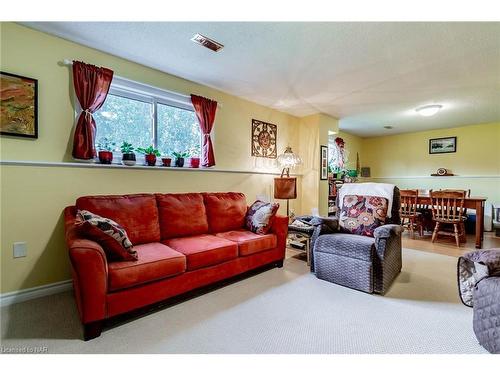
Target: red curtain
column 205, row 111
column 91, row 88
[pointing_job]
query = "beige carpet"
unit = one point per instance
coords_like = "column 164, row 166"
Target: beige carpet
column 284, row 310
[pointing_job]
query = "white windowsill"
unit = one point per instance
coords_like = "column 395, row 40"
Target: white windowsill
column 137, row 166
column 435, row 177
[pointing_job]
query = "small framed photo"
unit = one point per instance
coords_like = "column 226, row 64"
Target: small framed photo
column 442, row 145
column 323, row 163
column 18, row 106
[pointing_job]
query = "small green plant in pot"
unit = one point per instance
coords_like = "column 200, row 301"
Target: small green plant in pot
column 166, row 160
column 106, row 147
column 179, row 158
column 128, row 155
column 150, row 154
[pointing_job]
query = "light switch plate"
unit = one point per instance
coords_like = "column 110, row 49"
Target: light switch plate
column 20, row 249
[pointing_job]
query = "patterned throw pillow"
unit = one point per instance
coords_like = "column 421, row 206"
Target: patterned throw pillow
column 362, row 214
column 108, row 233
column 259, row 216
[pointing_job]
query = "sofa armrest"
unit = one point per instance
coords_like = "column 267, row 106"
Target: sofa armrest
column 90, row 272
column 280, row 229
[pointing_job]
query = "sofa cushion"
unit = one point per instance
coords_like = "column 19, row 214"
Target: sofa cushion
column 225, row 211
column 362, row 214
column 181, row 215
column 260, row 215
column 107, row 233
column 204, row 250
column 249, row 242
column 155, row 261
column 136, row 213
column 348, row 245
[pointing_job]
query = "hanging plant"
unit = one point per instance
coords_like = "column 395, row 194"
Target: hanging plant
column 339, row 155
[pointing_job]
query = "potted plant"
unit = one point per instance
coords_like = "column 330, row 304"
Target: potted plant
column 128, row 155
column 179, row 158
column 150, row 154
column 194, row 161
column 106, row 147
column 166, row 161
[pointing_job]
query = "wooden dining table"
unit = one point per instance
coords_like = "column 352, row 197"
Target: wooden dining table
column 474, row 203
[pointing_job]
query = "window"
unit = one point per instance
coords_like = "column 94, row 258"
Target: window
column 125, row 119
column 145, row 115
column 178, row 130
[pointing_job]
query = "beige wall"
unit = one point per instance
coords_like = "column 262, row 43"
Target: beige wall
column 353, row 144
column 404, row 159
column 313, row 133
column 32, row 198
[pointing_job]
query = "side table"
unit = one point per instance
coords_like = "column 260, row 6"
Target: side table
column 300, row 236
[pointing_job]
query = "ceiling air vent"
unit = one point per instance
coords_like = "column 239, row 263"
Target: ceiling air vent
column 207, row 42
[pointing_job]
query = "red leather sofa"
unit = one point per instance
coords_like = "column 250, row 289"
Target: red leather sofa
column 183, row 241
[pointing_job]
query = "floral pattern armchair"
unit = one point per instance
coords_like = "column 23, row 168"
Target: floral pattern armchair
column 365, row 256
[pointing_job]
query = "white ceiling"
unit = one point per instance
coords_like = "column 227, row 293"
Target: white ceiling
column 368, row 75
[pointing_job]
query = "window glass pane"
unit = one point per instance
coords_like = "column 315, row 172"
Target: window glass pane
column 122, row 119
column 178, row 130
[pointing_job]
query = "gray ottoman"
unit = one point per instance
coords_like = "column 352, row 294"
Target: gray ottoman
column 479, row 288
column 486, row 321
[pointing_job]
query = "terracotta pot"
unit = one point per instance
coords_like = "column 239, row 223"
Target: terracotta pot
column 150, row 159
column 166, row 162
column 105, row 157
column 179, row 162
column 194, row 162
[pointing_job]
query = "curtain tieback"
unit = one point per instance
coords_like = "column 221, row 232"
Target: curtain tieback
column 206, row 134
column 87, row 112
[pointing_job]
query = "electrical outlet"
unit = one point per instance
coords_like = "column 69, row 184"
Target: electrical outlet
column 20, row 249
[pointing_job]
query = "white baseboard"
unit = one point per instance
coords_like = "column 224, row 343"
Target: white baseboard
column 36, row 292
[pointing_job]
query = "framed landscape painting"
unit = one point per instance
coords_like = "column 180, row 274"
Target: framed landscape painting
column 18, row 105
column 442, row 145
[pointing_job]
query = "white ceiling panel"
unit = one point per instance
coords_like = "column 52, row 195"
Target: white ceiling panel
column 366, row 74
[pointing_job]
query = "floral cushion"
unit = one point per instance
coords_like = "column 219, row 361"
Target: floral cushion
column 108, row 233
column 362, row 214
column 259, row 216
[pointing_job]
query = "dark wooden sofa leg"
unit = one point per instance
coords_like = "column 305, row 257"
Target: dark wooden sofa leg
column 92, row 330
column 279, row 263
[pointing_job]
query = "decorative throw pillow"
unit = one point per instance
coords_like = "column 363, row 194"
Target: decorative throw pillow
column 108, row 233
column 362, row 214
column 260, row 215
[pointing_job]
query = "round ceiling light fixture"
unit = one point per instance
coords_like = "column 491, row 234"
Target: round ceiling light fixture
column 429, row 110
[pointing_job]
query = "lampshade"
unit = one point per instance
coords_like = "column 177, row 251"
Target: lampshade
column 288, row 159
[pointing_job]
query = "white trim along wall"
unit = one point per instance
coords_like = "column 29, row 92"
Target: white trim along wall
column 36, row 292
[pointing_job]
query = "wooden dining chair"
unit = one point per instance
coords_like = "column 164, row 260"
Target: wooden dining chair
column 448, row 208
column 410, row 217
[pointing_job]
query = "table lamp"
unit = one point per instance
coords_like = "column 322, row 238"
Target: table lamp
column 285, row 187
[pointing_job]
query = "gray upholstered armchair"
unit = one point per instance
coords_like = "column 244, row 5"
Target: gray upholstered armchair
column 369, row 264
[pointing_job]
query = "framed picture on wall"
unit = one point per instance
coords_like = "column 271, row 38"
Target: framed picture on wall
column 442, row 145
column 18, row 106
column 264, row 139
column 323, row 174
